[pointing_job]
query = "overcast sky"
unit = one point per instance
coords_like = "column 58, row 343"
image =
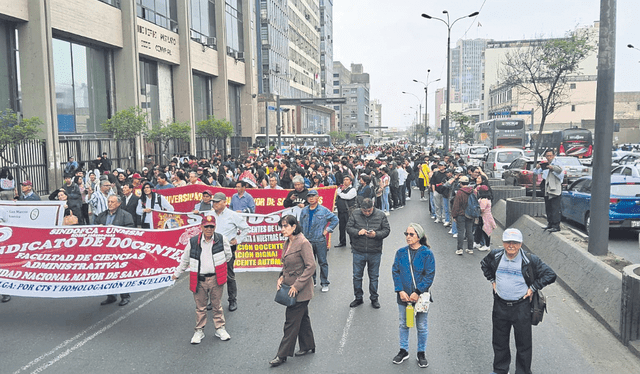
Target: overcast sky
column 396, row 45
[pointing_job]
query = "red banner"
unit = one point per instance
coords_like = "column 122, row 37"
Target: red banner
column 88, row 260
column 185, row 198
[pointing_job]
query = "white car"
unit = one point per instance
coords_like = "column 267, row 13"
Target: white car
column 498, row 159
column 628, row 170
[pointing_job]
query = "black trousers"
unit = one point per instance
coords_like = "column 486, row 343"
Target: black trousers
column 553, row 209
column 297, row 326
column 343, row 217
column 504, row 317
column 465, row 230
column 232, row 288
column 394, row 197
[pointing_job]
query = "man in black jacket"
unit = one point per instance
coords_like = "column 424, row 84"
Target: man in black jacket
column 130, row 201
column 115, row 216
column 345, row 200
column 367, row 227
column 515, row 276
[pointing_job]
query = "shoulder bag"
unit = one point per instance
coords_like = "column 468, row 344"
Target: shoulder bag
column 282, row 296
column 422, row 305
column 538, row 307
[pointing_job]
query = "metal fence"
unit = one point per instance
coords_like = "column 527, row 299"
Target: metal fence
column 28, row 161
column 85, row 151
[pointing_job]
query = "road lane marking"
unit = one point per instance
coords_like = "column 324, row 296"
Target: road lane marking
column 86, row 340
column 345, row 331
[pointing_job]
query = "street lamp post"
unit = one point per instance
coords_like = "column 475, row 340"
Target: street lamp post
column 426, row 107
column 632, row 47
column 419, row 105
column 445, row 128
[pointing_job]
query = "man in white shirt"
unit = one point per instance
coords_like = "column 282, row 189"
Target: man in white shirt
column 235, row 228
column 273, row 183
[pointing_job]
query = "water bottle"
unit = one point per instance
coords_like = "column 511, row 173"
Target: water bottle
column 410, row 315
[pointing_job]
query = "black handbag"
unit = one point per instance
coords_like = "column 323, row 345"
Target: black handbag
column 282, row 296
column 538, row 307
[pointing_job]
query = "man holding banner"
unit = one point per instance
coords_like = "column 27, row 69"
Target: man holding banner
column 207, row 255
column 235, row 228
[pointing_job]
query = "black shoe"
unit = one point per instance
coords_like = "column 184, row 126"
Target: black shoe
column 554, row 229
column 277, row 361
column 422, row 360
column 375, row 304
column 233, row 305
column 341, row 245
column 124, row 301
column 302, row 353
column 356, row 302
column 547, row 227
column 109, row 300
column 209, row 306
column 6, row 298
column 401, row 356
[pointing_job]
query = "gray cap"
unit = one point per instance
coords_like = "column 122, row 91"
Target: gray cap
column 312, row 193
column 219, row 196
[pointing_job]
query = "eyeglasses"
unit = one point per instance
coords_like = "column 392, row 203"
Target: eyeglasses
column 209, row 227
column 409, row 234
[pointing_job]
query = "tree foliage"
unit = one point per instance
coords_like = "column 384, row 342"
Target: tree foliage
column 214, row 129
column 14, row 131
column 464, row 122
column 128, row 123
column 337, row 136
column 164, row 133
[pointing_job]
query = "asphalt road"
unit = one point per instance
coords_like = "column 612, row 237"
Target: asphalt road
column 622, row 242
column 152, row 333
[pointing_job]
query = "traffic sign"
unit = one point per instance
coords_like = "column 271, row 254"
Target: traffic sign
column 271, row 108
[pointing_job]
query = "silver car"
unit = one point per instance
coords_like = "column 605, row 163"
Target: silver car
column 628, row 170
column 573, row 168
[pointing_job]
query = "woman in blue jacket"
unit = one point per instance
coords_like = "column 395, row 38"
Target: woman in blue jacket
column 417, row 255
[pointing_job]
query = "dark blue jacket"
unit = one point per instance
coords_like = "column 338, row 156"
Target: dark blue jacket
column 424, row 269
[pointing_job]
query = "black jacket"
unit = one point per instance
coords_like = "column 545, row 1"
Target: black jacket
column 131, row 208
column 122, row 218
column 377, row 222
column 536, row 273
column 301, row 198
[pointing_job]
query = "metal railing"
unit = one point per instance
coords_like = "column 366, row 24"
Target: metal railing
column 28, row 161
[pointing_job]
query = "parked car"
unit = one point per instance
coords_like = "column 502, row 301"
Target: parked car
column 624, row 202
column 628, row 170
column 520, row 173
column 475, row 154
column 573, row 168
column 498, row 158
column 529, row 152
column 629, row 159
column 617, row 155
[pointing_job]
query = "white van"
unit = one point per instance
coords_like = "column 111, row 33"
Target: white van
column 498, row 158
column 475, row 154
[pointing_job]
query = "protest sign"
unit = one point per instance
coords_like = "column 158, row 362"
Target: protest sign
column 32, row 213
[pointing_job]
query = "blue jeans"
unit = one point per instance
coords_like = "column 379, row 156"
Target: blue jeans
column 432, row 202
column 320, row 251
column 454, row 227
column 421, row 326
column 372, row 261
column 385, row 199
column 445, row 205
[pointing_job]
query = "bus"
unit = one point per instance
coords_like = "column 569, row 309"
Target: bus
column 500, row 133
column 568, row 142
column 363, row 139
column 297, row 140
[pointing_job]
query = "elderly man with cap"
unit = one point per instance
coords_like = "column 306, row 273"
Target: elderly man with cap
column 317, row 221
column 27, row 192
column 235, row 228
column 515, row 275
column 207, row 255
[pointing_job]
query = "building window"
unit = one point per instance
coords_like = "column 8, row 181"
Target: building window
column 149, row 93
column 203, row 22
column 163, row 13
column 336, row 75
column 9, row 73
column 572, row 86
column 336, row 91
column 573, row 108
column 336, row 83
column 115, row 3
column 234, row 109
column 82, row 87
column 202, row 99
column 336, row 107
column 638, row 107
column 235, row 35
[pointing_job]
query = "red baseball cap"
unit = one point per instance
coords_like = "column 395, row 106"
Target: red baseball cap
column 27, row 183
column 208, row 220
column 136, row 176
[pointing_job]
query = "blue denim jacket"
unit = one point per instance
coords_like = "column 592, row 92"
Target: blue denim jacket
column 424, row 268
column 321, row 217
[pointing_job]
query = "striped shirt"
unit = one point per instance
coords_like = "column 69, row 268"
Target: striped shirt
column 98, row 202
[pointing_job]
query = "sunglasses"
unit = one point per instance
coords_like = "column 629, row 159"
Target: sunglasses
column 409, row 234
column 209, row 227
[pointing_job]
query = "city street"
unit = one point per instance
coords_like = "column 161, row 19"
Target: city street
column 152, row 333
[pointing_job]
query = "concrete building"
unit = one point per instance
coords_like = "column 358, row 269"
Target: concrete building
column 353, row 85
column 626, row 113
column 326, row 47
column 74, row 63
column 304, row 48
column 467, row 66
column 375, row 117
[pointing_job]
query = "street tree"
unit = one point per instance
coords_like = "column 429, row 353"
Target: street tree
column 214, row 130
column 465, row 124
column 164, row 133
column 126, row 124
column 15, row 131
column 541, row 71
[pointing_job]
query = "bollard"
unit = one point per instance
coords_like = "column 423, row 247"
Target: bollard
column 630, row 313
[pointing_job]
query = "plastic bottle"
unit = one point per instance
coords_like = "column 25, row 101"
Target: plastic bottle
column 410, row 315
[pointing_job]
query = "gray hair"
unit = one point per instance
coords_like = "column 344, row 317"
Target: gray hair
column 298, row 179
column 117, row 198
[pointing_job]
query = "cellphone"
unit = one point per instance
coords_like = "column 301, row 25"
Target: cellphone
column 544, row 166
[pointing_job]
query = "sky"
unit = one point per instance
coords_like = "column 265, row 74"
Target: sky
column 396, row 45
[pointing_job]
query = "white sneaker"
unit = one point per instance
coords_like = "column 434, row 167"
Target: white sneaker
column 447, row 224
column 459, row 252
column 387, row 213
column 484, row 248
column 197, row 336
column 407, row 198
column 470, row 251
column 325, row 289
column 450, row 231
column 223, row 334
column 476, row 245
column 455, row 235
column 437, row 220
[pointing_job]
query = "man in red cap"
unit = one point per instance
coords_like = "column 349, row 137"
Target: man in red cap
column 207, row 255
column 27, row 192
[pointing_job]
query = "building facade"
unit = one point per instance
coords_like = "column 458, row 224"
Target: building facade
column 353, row 85
column 74, row 63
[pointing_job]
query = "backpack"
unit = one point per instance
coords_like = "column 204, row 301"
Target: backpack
column 473, row 207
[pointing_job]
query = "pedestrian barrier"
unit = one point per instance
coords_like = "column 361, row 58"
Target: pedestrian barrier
column 496, row 182
column 505, row 192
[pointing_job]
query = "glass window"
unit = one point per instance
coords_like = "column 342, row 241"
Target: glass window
column 82, row 87
column 203, row 20
column 115, row 3
column 149, row 94
column 202, row 97
column 9, row 82
column 235, row 36
column 234, row 109
column 163, row 13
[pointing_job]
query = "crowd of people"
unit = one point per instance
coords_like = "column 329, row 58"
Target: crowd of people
column 371, row 183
